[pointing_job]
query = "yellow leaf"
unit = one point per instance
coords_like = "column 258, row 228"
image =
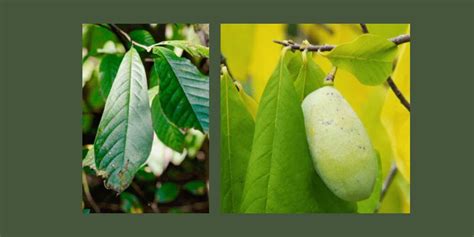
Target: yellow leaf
column 237, row 45
column 396, row 118
column 265, row 55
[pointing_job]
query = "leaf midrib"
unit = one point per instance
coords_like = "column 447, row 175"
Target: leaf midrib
column 274, row 129
column 228, row 143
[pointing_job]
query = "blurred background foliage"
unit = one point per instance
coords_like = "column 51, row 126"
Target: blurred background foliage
column 251, row 57
column 169, row 181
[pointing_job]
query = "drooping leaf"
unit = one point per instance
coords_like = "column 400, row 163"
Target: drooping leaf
column 196, row 187
column 369, row 58
column 280, row 175
column 237, row 127
column 107, row 71
column 167, row 192
column 310, row 77
column 167, row 132
column 195, row 50
column 143, row 37
column 184, row 91
column 124, row 137
column 370, row 204
column 293, row 61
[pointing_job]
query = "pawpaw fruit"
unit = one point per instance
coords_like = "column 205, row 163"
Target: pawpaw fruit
column 342, row 153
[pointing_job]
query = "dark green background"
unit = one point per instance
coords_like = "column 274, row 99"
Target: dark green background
column 41, row 118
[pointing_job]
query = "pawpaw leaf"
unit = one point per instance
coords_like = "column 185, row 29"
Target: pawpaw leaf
column 107, row 71
column 165, row 130
column 369, row 58
column 184, row 91
column 125, row 133
column 237, row 127
column 310, row 77
column 195, row 50
column 280, row 175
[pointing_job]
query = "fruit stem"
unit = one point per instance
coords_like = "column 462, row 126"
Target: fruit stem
column 329, row 79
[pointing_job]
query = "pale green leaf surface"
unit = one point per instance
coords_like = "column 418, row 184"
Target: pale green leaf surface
column 184, row 91
column 107, row 71
column 195, row 50
column 125, row 133
column 369, row 58
column 165, row 130
column 310, row 77
column 237, row 127
column 280, row 175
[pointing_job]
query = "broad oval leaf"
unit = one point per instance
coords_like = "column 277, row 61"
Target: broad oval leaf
column 165, row 130
column 195, row 50
column 125, row 134
column 280, row 175
column 369, row 58
column 184, row 91
column 237, row 127
column 310, row 77
column 107, row 71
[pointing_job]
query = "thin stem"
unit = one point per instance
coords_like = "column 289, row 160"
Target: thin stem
column 365, row 30
column 329, row 79
column 124, row 34
column 388, row 181
column 398, row 93
column 88, row 194
column 321, row 48
column 397, row 40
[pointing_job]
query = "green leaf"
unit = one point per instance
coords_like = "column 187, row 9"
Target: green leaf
column 237, row 127
column 129, row 203
column 293, row 61
column 167, row 192
column 369, row 58
column 195, row 50
column 196, row 187
column 370, row 204
column 142, row 37
column 280, row 175
column 184, row 91
column 107, row 71
column 125, row 134
column 154, row 79
column 166, row 131
column 86, row 211
column 310, row 77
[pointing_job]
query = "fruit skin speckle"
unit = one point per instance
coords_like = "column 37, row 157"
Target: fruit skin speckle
column 341, row 150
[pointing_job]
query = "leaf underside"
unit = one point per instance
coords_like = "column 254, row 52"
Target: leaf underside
column 237, row 127
column 280, row 175
column 184, row 91
column 124, row 137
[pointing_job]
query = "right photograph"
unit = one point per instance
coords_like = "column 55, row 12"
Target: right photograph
column 315, row 118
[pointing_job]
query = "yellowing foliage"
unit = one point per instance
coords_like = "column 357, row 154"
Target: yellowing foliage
column 252, row 56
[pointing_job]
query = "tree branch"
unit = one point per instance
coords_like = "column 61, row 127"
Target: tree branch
column 365, row 30
column 120, row 33
column 388, row 181
column 321, row 48
column 398, row 93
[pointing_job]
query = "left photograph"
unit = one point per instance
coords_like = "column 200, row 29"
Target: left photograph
column 145, row 118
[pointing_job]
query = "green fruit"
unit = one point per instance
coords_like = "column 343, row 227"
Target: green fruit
column 342, row 153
